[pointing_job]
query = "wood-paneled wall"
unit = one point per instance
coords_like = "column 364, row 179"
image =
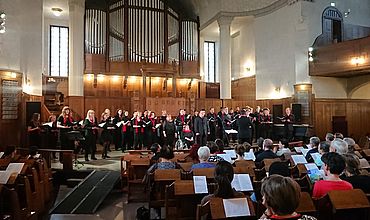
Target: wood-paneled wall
column 11, row 129
column 244, row 89
column 357, row 114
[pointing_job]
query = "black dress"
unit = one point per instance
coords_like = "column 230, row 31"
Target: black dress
column 91, row 135
column 65, row 143
column 34, row 136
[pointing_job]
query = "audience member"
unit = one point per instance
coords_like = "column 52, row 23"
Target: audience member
column 324, row 147
column 353, row 173
column 9, row 153
column 221, row 146
column 267, row 153
column 155, row 149
column 339, row 146
column 165, row 156
column 224, row 174
column 241, row 149
column 314, row 144
column 203, row 155
column 338, row 135
column 213, row 150
column 281, row 196
column 333, row 166
column 329, row 137
column 351, row 144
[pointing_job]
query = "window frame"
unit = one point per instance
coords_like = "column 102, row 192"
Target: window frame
column 207, row 75
column 50, row 46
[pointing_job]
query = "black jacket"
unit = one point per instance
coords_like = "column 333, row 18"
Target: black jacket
column 201, row 125
column 245, row 127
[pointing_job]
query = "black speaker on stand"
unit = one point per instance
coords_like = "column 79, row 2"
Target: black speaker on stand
column 297, row 112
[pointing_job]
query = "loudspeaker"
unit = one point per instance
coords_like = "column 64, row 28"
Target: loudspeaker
column 297, row 112
column 32, row 107
column 277, row 111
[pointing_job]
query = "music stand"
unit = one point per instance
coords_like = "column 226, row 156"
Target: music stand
column 75, row 136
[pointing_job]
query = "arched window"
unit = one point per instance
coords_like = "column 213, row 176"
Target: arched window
column 332, row 25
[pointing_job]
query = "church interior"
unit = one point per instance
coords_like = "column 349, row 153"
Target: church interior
column 184, row 109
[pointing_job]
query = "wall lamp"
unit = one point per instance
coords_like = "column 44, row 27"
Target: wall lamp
column 2, row 22
column 310, row 54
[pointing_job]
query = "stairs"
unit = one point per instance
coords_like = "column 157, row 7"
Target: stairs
column 86, row 197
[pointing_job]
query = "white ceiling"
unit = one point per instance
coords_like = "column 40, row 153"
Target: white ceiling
column 49, row 4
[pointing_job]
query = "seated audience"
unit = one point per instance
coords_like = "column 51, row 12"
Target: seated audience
column 260, row 145
column 329, row 137
column 241, row 149
column 339, row 146
column 276, row 168
column 351, row 144
column 324, row 147
column 193, row 154
column 338, row 135
column 213, row 150
column 165, row 156
column 33, row 153
column 155, row 149
column 203, row 154
column 281, row 196
column 283, row 147
column 221, row 146
column 333, row 166
column 224, row 174
column 353, row 173
column 9, row 153
column 267, row 153
column 314, row 144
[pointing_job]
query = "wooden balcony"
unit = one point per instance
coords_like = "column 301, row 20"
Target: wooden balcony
column 344, row 59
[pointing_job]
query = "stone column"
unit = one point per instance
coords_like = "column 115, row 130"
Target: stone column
column 224, row 63
column 76, row 47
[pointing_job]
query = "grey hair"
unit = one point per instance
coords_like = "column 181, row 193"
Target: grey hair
column 339, row 146
column 204, row 153
column 315, row 141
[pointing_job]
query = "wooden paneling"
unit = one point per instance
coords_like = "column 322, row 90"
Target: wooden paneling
column 335, row 59
column 171, row 105
column 76, row 104
column 11, row 130
column 101, row 103
column 94, row 63
column 244, row 89
column 189, row 69
column 357, row 114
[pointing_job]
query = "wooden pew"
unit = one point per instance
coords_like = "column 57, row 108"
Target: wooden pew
column 160, row 179
column 136, row 171
column 245, row 163
column 267, row 163
column 306, row 205
column 209, row 173
column 181, row 201
column 344, row 204
column 215, row 209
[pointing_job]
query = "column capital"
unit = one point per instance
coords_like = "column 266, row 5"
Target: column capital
column 224, row 20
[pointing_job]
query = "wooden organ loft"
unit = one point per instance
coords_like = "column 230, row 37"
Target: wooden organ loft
column 139, row 50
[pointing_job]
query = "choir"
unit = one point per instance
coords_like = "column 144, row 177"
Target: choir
column 143, row 129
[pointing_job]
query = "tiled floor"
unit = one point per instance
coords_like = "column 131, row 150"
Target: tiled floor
column 115, row 206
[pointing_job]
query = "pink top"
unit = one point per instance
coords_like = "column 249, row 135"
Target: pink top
column 324, row 186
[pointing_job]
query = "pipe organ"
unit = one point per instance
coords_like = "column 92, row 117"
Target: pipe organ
column 134, row 32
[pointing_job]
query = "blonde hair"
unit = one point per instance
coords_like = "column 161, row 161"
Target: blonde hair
column 88, row 114
column 64, row 109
